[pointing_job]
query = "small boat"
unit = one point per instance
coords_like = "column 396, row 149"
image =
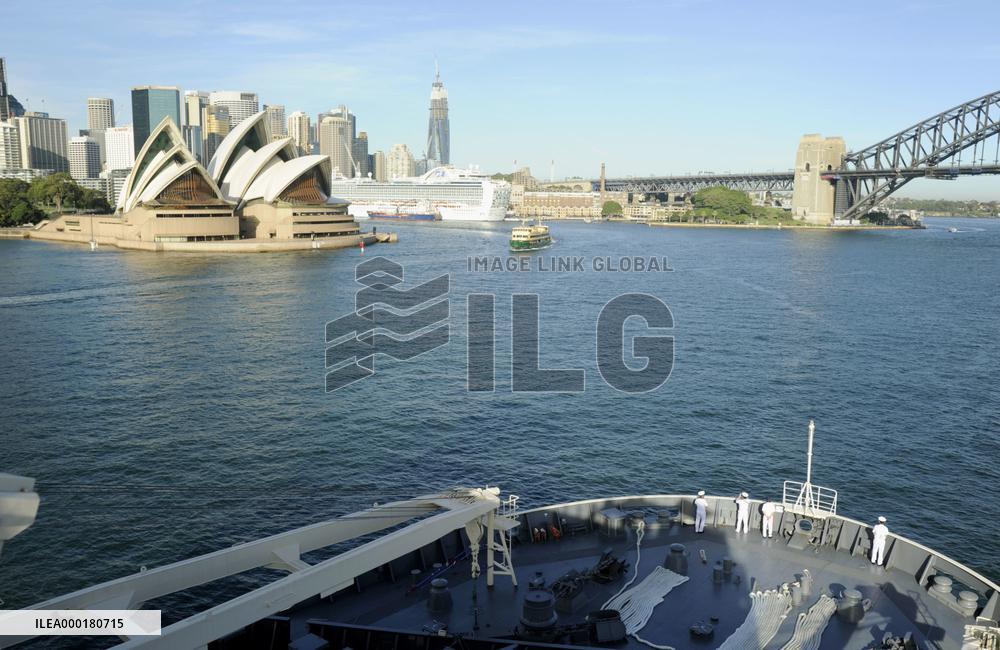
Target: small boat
column 953, row 229
column 525, row 238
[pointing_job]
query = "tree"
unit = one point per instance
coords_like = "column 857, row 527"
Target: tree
column 94, row 201
column 724, row 201
column 15, row 206
column 611, row 208
column 55, row 189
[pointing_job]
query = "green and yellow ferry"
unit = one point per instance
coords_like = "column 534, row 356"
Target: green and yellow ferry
column 526, row 238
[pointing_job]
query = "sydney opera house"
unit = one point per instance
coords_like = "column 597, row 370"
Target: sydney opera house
column 256, row 194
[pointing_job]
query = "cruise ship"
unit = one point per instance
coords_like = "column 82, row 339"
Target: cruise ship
column 448, row 193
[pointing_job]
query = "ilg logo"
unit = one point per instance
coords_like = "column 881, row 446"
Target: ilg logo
column 380, row 311
column 403, row 324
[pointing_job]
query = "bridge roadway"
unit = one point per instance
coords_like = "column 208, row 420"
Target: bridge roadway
column 779, row 181
column 747, row 182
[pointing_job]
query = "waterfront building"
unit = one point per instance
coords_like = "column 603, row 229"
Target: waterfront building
column 335, row 142
column 561, row 205
column 300, row 131
column 10, row 146
column 119, row 146
column 150, row 105
column 43, row 142
column 215, row 120
column 516, row 196
column 255, row 187
column 438, row 128
column 100, row 113
column 278, row 193
column 22, row 174
column 9, row 106
column 359, row 152
column 241, row 105
column 400, row 163
column 84, row 157
column 379, row 170
column 276, row 121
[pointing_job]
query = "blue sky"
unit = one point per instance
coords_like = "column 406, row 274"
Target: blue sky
column 673, row 86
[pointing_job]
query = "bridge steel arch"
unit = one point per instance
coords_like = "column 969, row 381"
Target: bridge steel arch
column 868, row 176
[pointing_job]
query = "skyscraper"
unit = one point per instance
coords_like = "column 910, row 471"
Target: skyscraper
column 9, row 107
column 10, row 146
column 216, row 127
column 84, row 158
column 335, row 141
column 150, row 104
column 100, row 113
column 194, row 102
column 438, row 129
column 399, row 163
column 241, row 105
column 119, row 147
column 43, row 142
column 276, row 120
column 298, row 128
column 359, row 152
column 379, row 172
column 193, row 131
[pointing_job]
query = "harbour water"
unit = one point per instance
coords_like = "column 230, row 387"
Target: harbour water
column 172, row 404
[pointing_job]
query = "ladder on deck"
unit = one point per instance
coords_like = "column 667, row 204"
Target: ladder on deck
column 500, row 523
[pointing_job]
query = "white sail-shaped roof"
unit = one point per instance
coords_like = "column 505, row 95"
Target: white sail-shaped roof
column 249, row 164
column 269, row 185
column 252, row 133
column 166, row 137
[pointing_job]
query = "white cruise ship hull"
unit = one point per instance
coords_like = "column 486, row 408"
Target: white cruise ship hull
column 450, row 194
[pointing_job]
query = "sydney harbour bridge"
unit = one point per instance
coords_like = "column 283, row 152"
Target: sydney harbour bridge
column 964, row 140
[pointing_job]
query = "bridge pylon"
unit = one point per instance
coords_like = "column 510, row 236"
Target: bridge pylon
column 813, row 195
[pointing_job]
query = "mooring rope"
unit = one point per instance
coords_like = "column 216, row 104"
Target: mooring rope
column 767, row 611
column 636, row 605
column 810, row 625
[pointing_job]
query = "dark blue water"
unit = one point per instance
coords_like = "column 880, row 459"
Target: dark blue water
column 173, row 404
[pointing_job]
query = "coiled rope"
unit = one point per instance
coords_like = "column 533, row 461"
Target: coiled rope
column 767, row 611
column 636, row 605
column 810, row 625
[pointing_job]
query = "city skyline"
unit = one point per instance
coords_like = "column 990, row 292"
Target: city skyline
column 734, row 94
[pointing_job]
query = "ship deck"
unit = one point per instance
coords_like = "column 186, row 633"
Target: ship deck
column 900, row 603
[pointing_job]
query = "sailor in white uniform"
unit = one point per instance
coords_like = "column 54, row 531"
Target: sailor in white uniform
column 879, row 532
column 743, row 512
column 767, row 517
column 700, row 510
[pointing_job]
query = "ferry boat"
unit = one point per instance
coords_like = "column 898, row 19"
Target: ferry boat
column 470, row 568
column 525, row 238
column 451, row 194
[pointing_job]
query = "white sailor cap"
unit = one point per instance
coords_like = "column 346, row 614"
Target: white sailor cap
column 744, row 495
column 881, row 520
column 701, row 493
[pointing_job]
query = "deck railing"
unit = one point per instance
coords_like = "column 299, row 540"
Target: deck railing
column 808, row 499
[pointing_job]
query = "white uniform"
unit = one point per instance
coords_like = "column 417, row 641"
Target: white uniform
column 700, row 509
column 742, row 514
column 767, row 512
column 879, row 532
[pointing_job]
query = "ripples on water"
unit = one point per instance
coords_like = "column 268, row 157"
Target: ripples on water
column 202, row 375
